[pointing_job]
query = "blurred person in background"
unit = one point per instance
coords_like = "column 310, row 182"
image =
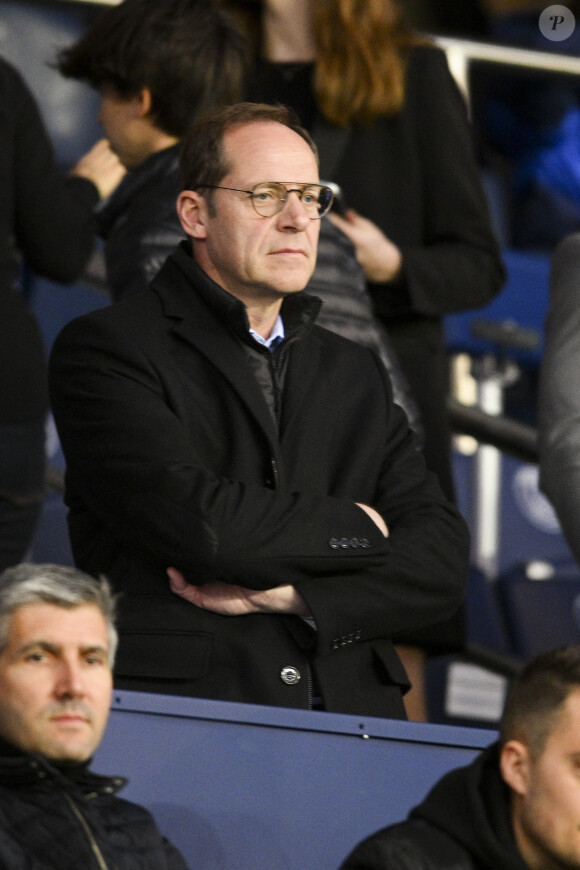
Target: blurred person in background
column 46, row 225
column 156, row 66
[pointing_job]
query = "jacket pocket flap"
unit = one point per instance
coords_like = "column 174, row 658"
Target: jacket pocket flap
column 168, row 655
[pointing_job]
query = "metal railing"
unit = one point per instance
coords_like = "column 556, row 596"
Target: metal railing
column 461, row 53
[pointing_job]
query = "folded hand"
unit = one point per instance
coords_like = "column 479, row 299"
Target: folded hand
column 229, row 600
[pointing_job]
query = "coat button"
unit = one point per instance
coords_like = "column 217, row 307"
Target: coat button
column 290, row 676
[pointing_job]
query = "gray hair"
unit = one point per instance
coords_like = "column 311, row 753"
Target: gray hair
column 29, row 583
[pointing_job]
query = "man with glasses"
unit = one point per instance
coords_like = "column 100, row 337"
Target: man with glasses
column 242, row 475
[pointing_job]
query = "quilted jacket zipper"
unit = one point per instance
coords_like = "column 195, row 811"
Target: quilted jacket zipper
column 89, row 834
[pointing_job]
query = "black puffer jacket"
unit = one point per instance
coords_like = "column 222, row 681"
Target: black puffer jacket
column 56, row 820
column 139, row 223
column 463, row 824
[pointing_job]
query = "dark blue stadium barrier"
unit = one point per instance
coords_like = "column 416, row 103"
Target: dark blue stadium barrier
column 242, row 787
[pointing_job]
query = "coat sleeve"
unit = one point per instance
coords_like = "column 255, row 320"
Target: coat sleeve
column 559, row 392
column 457, row 266
column 53, row 214
column 421, row 579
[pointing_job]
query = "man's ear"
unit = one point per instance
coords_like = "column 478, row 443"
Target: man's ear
column 144, row 102
column 515, row 766
column 192, row 212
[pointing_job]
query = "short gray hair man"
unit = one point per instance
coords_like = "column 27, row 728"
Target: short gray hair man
column 61, row 585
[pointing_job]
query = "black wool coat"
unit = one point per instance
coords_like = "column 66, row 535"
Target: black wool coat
column 174, row 458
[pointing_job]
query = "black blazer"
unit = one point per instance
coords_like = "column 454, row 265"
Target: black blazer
column 174, row 458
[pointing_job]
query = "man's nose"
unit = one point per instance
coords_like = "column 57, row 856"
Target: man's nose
column 293, row 215
column 70, row 680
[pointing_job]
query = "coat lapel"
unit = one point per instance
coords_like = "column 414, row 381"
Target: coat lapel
column 303, row 371
column 194, row 323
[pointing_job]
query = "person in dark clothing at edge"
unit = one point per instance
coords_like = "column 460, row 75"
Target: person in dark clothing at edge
column 46, row 223
column 210, row 425
column 157, row 66
column 57, row 646
column 517, row 806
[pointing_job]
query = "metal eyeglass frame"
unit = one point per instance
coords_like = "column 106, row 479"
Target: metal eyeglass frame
column 284, row 192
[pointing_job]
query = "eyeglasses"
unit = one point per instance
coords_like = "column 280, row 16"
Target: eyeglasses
column 269, row 197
